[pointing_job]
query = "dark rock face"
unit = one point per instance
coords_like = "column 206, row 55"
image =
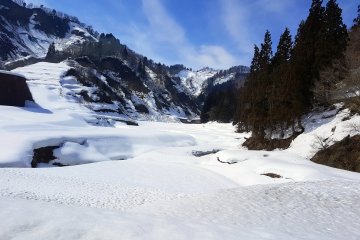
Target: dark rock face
column 123, row 73
column 343, row 155
column 43, row 155
column 13, row 90
column 259, row 143
column 204, row 153
column 15, row 17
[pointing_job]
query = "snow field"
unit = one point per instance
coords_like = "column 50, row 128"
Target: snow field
column 144, row 182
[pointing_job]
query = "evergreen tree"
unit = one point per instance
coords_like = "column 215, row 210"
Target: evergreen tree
column 280, row 107
column 253, row 106
column 334, row 35
column 255, row 63
column 357, row 19
column 265, row 52
column 245, row 104
column 330, row 52
column 141, row 69
column 305, row 64
column 284, row 48
column 51, row 54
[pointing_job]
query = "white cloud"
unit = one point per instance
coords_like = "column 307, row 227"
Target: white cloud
column 243, row 20
column 236, row 21
column 162, row 25
column 271, row 6
column 38, row 2
column 165, row 40
column 216, row 56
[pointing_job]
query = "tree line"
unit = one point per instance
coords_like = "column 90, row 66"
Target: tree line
column 284, row 85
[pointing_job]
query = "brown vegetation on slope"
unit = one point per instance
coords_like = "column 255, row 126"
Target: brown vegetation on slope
column 344, row 155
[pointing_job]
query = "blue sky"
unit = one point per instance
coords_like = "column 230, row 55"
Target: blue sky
column 197, row 33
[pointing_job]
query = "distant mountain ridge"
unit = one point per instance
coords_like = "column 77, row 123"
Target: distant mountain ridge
column 141, row 88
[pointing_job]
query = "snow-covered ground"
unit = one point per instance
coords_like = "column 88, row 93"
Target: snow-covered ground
column 144, row 182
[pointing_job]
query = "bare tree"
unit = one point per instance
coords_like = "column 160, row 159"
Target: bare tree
column 353, row 127
column 351, row 83
column 328, row 87
column 320, row 143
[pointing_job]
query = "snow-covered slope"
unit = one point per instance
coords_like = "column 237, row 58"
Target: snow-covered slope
column 194, row 80
column 127, row 82
column 145, row 182
column 27, row 32
column 108, row 94
column 204, row 80
column 324, row 128
column 321, row 211
column 159, row 180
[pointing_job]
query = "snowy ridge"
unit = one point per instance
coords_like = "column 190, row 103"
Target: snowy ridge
column 43, row 76
column 194, row 80
column 137, row 87
column 30, row 32
column 36, row 43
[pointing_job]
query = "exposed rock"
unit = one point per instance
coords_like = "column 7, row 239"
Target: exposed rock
column 43, row 155
column 204, row 153
column 344, row 155
column 258, row 143
column 271, row 175
column 190, row 121
column 230, row 163
column 13, row 90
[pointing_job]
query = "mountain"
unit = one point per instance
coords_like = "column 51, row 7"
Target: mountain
column 122, row 82
column 29, row 31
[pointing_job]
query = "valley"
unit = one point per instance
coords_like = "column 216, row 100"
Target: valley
column 98, row 141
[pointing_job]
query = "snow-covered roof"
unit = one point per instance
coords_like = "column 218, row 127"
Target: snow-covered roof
column 12, row 73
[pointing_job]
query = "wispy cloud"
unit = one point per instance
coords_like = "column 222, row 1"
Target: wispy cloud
column 162, row 33
column 235, row 18
column 38, row 2
column 162, row 25
column 271, row 6
column 243, row 20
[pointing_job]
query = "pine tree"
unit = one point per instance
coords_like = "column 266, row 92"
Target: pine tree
column 246, row 97
column 330, row 51
column 284, row 48
column 280, row 108
column 255, row 63
column 305, row 64
column 253, row 112
column 280, row 89
column 51, row 54
column 141, row 69
column 357, row 19
column 265, row 52
column 334, row 35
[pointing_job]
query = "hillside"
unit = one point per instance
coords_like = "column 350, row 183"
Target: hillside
column 29, row 31
column 184, row 179
column 127, row 83
column 99, row 142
